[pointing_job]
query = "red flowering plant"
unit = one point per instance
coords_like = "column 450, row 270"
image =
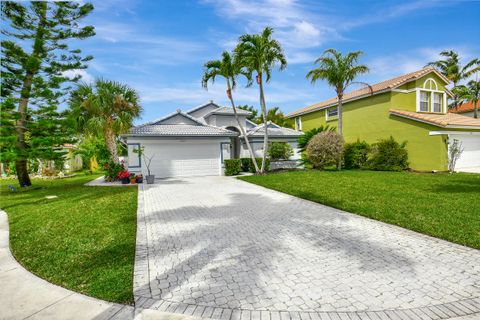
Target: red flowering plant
column 123, row 175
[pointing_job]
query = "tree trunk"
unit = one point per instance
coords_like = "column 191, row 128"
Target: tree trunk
column 475, row 109
column 264, row 111
column 242, row 129
column 340, row 123
column 21, row 161
column 31, row 71
column 111, row 144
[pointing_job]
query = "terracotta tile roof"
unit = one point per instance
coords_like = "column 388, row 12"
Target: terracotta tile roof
column 451, row 120
column 376, row 88
column 464, row 107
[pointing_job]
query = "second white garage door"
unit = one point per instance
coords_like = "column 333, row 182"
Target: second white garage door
column 470, row 157
column 184, row 159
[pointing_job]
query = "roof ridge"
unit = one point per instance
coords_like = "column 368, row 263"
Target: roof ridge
column 202, row 105
column 384, row 85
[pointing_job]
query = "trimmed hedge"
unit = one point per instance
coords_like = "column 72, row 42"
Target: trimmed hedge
column 232, row 167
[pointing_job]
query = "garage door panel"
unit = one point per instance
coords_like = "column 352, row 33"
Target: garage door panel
column 184, row 159
column 470, row 157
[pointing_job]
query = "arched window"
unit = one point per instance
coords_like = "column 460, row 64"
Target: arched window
column 429, row 98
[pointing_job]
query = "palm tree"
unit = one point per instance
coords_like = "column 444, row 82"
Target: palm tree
column 276, row 116
column 339, row 71
column 106, row 108
column 230, row 69
column 451, row 68
column 260, row 53
column 470, row 92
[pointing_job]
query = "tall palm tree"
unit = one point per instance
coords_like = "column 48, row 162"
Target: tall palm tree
column 230, row 69
column 339, row 71
column 470, row 92
column 106, row 108
column 260, row 53
column 452, row 68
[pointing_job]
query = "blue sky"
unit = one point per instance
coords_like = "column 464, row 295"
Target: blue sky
column 159, row 47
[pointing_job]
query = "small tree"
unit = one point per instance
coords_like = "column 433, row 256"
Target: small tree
column 106, row 109
column 325, row 149
column 280, row 151
column 454, row 152
column 146, row 159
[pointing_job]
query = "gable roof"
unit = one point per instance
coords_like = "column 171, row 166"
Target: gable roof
column 377, row 88
column 274, row 130
column 449, row 120
column 228, row 111
column 173, row 114
column 463, row 108
column 203, row 105
column 159, row 127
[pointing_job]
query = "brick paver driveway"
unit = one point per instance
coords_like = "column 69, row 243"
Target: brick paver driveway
column 221, row 248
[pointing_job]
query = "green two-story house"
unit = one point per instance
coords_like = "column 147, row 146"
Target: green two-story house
column 412, row 108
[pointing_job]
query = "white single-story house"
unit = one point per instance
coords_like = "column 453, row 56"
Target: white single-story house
column 196, row 142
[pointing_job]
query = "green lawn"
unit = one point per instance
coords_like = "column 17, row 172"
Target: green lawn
column 84, row 240
column 446, row 206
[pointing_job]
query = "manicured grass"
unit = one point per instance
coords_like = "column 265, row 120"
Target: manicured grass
column 446, row 206
column 84, row 240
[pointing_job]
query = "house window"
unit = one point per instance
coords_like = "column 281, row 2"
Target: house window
column 437, row 102
column 424, row 101
column 298, row 123
column 332, row 112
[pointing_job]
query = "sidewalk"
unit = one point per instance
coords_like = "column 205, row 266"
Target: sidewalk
column 26, row 296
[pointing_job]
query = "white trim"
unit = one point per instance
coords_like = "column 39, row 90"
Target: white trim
column 430, row 104
column 329, row 116
column 404, row 91
column 428, row 80
column 436, row 133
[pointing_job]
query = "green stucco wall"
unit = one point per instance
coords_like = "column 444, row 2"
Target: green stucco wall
column 369, row 119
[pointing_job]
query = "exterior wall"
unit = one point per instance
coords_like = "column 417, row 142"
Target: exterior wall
column 224, row 121
column 152, row 144
column 369, row 119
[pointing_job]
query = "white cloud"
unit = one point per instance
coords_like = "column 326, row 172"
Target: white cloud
column 412, row 60
column 189, row 94
column 85, row 76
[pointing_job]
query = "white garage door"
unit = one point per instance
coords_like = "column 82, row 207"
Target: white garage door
column 184, row 159
column 470, row 157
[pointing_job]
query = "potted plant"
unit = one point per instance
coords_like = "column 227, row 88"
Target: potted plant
column 139, row 178
column 124, row 176
column 147, row 160
column 133, row 179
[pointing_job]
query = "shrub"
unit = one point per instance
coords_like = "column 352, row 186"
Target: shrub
column 245, row 164
column 355, row 154
column 325, row 149
column 112, row 170
column 280, row 151
column 232, row 167
column 307, row 135
column 388, row 155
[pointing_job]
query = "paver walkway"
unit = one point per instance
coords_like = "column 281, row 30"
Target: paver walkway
column 221, row 248
column 25, row 296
